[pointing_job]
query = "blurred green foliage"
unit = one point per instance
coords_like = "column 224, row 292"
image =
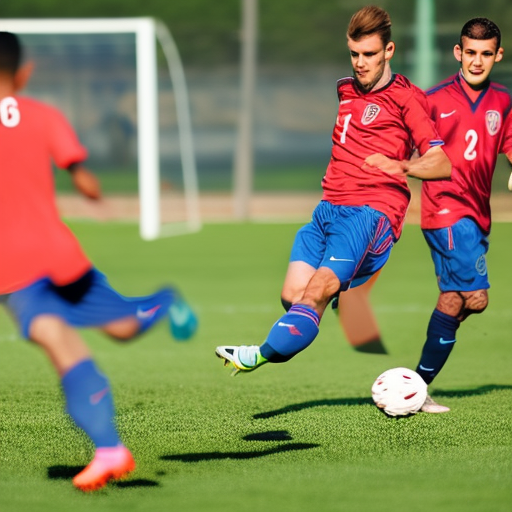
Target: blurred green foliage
column 291, row 31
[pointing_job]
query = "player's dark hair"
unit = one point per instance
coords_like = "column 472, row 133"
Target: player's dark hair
column 482, row 29
column 368, row 21
column 10, row 52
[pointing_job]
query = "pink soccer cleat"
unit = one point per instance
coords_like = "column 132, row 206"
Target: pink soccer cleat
column 108, row 464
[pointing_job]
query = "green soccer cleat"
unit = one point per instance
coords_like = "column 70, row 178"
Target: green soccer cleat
column 243, row 358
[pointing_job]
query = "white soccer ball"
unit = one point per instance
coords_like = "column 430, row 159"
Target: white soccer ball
column 399, row 392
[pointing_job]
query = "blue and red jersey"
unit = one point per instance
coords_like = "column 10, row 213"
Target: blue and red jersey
column 393, row 121
column 475, row 131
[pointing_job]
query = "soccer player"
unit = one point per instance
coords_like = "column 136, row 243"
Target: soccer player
column 47, row 282
column 381, row 117
column 473, row 116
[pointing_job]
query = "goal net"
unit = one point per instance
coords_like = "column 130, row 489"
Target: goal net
column 121, row 84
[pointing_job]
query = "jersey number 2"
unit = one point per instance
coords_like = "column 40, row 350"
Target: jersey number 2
column 9, row 112
column 471, row 139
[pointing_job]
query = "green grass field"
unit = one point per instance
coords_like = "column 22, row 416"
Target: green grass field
column 301, row 437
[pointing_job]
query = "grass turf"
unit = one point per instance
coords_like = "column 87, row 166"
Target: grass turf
column 294, row 437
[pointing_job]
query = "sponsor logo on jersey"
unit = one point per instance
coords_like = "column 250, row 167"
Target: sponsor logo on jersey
column 370, row 113
column 481, row 265
column 493, row 121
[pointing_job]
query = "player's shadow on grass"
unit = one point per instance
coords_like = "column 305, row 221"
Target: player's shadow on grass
column 199, row 457
column 311, row 404
column 68, row 472
column 460, row 393
column 270, row 435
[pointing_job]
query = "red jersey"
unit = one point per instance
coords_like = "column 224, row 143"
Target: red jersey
column 34, row 242
column 392, row 120
column 474, row 133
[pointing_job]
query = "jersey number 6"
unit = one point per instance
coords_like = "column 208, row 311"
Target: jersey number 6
column 9, row 112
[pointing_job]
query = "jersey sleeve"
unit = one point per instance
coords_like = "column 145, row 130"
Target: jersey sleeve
column 65, row 148
column 417, row 119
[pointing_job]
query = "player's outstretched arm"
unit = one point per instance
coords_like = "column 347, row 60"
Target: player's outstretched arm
column 433, row 165
column 85, row 181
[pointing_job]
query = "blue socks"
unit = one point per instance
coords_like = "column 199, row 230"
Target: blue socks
column 440, row 341
column 291, row 334
column 89, row 403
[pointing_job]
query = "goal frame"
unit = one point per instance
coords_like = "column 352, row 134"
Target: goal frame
column 147, row 32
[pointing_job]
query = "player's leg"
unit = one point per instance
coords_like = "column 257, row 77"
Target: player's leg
column 452, row 308
column 459, row 259
column 88, row 397
column 349, row 235
column 355, row 312
column 298, row 275
column 248, row 358
column 306, row 256
column 123, row 318
column 293, row 332
column 358, row 320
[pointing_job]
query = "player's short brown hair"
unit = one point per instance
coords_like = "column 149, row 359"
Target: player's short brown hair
column 10, row 52
column 368, row 21
column 481, row 28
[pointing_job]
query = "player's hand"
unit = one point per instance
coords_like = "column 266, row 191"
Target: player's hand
column 85, row 182
column 385, row 164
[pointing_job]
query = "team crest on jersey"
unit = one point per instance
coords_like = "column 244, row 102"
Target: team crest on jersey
column 493, row 121
column 370, row 113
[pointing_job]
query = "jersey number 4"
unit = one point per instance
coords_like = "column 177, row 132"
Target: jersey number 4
column 9, row 112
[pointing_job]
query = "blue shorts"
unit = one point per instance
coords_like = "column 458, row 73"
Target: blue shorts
column 459, row 253
column 88, row 302
column 353, row 241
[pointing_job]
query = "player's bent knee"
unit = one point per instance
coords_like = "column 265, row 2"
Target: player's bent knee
column 287, row 304
column 122, row 330
column 44, row 328
column 474, row 302
column 450, row 303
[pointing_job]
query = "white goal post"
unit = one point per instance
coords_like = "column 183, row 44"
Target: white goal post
column 147, row 32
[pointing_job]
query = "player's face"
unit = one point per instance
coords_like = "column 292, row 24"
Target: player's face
column 370, row 61
column 477, row 57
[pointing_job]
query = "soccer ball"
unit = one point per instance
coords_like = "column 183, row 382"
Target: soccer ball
column 399, row 392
